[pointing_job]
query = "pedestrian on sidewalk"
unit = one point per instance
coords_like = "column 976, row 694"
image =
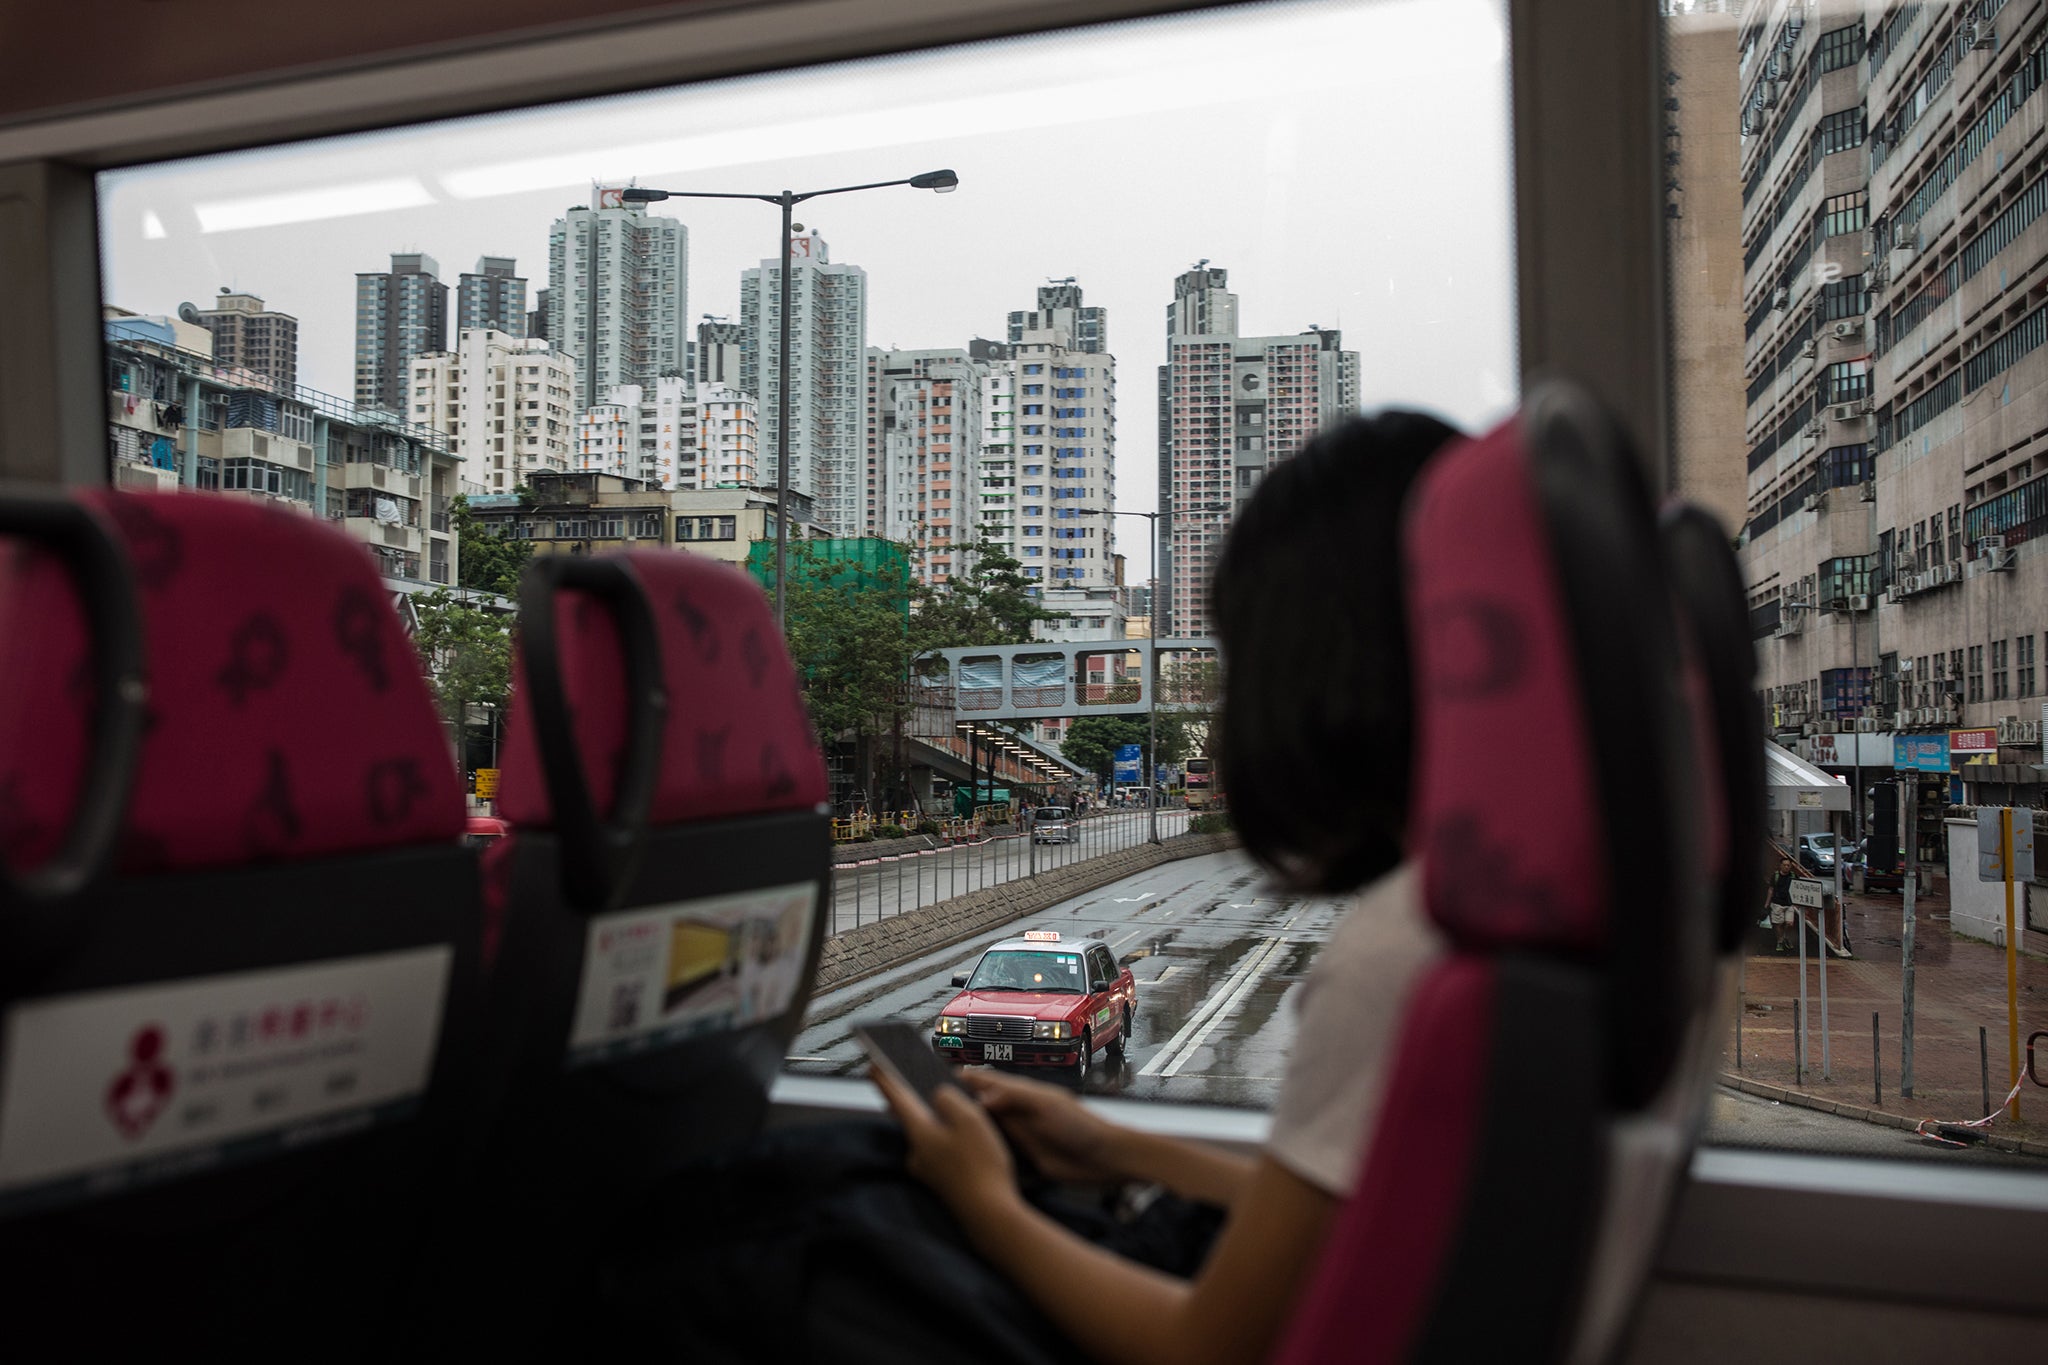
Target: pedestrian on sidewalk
column 1779, row 908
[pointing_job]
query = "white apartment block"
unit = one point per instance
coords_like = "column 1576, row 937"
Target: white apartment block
column 1231, row 408
column 1065, row 461
column 681, row 434
column 923, row 440
column 618, row 295
column 827, row 376
column 505, row 403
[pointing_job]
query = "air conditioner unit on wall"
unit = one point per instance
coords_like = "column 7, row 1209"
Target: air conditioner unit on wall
column 1808, row 348
column 1848, row 327
column 1859, row 602
column 1810, row 503
column 1894, row 593
column 1844, row 412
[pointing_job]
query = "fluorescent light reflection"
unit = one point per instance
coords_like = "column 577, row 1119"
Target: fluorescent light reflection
column 306, row 206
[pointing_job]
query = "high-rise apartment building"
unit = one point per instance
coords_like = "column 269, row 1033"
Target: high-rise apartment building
column 617, row 295
column 924, row 436
column 679, row 434
column 719, row 346
column 507, row 405
column 400, row 313
column 537, row 319
column 827, row 375
column 1230, row 408
column 1059, row 308
column 493, row 295
column 247, row 336
column 1064, row 461
column 1897, row 401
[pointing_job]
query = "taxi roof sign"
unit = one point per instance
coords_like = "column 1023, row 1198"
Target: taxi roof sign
column 1042, row 935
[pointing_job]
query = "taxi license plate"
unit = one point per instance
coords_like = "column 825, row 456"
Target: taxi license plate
column 996, row 1052
column 952, row 1042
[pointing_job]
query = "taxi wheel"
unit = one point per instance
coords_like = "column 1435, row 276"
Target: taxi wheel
column 1082, row 1058
column 1122, row 1045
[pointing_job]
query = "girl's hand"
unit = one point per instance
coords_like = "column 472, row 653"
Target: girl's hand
column 955, row 1149
column 1066, row 1141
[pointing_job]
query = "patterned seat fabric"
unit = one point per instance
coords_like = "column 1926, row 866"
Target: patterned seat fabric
column 287, row 716
column 231, row 1041
column 1553, row 823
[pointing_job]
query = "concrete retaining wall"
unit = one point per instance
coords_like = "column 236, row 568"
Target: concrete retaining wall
column 878, row 946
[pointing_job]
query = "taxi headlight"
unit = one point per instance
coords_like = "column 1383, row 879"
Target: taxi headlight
column 952, row 1023
column 1059, row 1030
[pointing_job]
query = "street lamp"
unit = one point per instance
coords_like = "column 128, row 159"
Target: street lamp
column 940, row 182
column 1151, row 651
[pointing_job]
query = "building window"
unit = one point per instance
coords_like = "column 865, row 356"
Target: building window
column 1839, row 48
column 1846, row 466
column 1976, row 674
column 1847, row 381
column 1999, row 652
column 1839, row 132
column 1845, row 213
column 1844, row 298
column 2023, row 664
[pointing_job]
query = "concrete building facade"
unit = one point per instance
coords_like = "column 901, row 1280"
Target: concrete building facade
column 719, row 347
column 493, row 295
column 504, row 402
column 249, row 336
column 923, row 442
column 680, row 434
column 178, row 420
column 618, row 295
column 1059, row 308
column 592, row 511
column 1895, row 230
column 828, row 364
column 1231, row 408
column 400, row 313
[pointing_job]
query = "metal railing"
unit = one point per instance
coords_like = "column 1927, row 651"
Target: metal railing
column 984, row 855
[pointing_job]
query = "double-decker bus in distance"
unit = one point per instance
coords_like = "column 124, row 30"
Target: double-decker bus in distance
column 273, row 1037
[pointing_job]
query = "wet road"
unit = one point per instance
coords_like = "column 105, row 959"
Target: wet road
column 1216, row 952
column 884, row 887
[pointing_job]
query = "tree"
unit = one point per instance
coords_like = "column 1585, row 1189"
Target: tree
column 992, row 605
column 1092, row 741
column 849, row 639
column 467, row 654
column 488, row 561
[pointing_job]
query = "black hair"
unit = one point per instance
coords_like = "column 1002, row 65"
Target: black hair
column 1314, row 743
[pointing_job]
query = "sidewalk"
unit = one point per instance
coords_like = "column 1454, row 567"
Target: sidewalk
column 1958, row 987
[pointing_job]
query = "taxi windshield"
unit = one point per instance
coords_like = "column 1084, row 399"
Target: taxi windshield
column 1028, row 970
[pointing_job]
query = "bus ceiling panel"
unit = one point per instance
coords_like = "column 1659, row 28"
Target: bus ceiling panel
column 219, row 83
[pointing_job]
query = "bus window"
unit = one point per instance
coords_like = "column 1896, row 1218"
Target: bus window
column 524, row 334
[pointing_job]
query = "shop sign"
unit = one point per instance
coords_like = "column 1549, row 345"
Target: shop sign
column 1924, row 753
column 1973, row 741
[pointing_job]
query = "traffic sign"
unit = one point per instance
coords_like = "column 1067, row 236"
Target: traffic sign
column 486, row 784
column 1808, row 892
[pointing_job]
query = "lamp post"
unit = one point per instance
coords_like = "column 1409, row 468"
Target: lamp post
column 941, row 182
column 1151, row 652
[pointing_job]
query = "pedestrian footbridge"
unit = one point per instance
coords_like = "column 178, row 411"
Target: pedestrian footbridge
column 1046, row 678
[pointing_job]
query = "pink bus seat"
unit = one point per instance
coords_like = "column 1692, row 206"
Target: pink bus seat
column 664, row 895
column 1545, row 649
column 238, row 962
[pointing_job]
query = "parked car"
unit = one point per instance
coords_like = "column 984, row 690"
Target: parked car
column 1817, row 854
column 483, row 831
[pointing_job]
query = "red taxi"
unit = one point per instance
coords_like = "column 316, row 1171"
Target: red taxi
column 1039, row 1001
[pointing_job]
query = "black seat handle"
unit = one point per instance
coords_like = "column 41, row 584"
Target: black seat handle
column 599, row 856
column 98, row 562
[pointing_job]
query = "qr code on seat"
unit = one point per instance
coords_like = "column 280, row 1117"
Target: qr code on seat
column 625, row 1006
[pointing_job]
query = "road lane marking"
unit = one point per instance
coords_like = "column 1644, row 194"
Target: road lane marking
column 1229, row 1008
column 1126, row 900
column 1210, row 1008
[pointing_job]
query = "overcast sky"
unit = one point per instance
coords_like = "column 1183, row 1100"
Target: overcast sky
column 1348, row 163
